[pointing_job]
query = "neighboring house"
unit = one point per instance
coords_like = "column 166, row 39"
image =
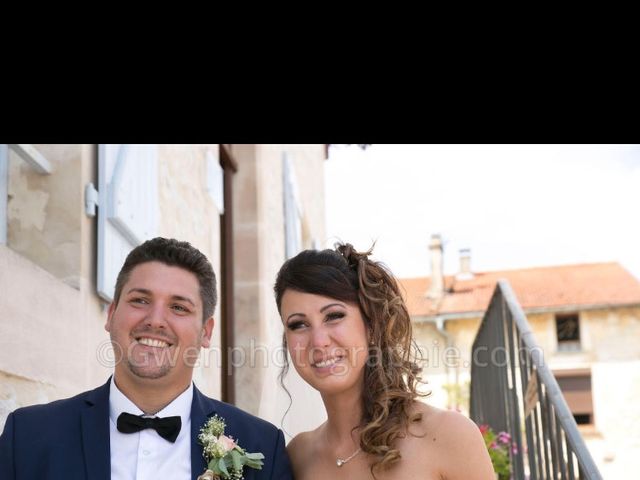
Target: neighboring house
column 585, row 318
column 69, row 214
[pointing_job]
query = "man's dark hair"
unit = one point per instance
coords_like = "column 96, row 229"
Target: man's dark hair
column 174, row 253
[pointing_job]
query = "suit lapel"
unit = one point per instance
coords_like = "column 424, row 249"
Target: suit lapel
column 202, row 408
column 95, row 434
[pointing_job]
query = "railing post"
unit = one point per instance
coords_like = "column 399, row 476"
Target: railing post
column 553, row 442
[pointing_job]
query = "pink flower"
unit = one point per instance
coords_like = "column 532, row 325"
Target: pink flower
column 483, row 428
column 504, row 437
column 227, row 443
column 514, row 448
column 493, row 445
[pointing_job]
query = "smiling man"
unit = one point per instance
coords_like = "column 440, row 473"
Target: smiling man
column 144, row 422
column 158, row 323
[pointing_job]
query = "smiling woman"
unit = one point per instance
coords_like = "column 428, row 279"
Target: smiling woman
column 348, row 333
column 327, row 340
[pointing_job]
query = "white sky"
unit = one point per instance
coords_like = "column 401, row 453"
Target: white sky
column 514, row 206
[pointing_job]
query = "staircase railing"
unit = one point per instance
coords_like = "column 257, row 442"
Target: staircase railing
column 513, row 390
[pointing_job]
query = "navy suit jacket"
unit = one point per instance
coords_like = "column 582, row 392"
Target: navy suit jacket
column 69, row 439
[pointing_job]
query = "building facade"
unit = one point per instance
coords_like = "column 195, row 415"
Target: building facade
column 69, row 214
column 586, row 320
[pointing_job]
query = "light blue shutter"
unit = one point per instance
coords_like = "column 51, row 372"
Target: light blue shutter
column 215, row 179
column 128, row 213
column 292, row 209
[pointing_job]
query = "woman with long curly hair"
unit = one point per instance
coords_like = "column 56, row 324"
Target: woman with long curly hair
column 348, row 333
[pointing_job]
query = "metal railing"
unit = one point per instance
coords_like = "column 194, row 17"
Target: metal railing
column 513, row 390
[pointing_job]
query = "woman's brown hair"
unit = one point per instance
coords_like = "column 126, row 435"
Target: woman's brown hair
column 391, row 372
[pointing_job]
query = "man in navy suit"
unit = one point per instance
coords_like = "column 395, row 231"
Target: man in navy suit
column 144, row 422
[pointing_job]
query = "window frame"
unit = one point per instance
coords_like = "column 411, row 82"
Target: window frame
column 564, row 377
column 568, row 345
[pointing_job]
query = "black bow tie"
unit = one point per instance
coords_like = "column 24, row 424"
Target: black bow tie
column 168, row 427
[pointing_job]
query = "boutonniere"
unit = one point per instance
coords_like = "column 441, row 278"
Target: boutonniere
column 225, row 458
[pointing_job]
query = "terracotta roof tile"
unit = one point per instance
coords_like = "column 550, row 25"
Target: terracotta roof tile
column 585, row 284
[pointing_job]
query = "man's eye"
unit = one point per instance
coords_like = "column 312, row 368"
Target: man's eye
column 180, row 308
column 139, row 300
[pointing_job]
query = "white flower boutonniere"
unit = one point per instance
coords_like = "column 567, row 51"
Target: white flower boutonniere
column 225, row 458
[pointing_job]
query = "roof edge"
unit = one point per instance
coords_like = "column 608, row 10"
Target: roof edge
column 552, row 309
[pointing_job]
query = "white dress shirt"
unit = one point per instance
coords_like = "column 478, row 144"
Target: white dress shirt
column 145, row 455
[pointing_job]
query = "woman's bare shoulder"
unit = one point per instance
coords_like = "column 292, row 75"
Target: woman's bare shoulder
column 299, row 443
column 446, row 427
column 301, row 448
column 456, row 437
column 446, row 422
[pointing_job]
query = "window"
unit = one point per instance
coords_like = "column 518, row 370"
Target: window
column 32, row 157
column 568, row 332
column 576, row 389
column 129, row 212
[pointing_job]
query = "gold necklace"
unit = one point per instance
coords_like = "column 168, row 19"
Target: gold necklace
column 342, row 461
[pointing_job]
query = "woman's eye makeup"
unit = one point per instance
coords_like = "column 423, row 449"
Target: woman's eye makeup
column 295, row 324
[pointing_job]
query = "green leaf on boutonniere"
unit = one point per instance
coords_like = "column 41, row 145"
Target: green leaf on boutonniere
column 214, row 465
column 223, row 467
column 236, row 458
column 254, row 460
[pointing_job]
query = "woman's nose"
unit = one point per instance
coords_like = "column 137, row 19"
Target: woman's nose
column 320, row 337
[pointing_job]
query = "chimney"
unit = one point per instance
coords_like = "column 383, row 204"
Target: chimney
column 437, row 269
column 465, row 265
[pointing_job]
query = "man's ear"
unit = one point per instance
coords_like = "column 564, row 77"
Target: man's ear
column 107, row 326
column 207, row 331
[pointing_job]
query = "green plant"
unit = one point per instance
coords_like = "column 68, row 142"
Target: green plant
column 500, row 447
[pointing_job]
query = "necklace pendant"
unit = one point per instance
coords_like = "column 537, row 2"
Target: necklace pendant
column 342, row 461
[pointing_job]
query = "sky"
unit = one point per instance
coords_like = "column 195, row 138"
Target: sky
column 514, row 206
